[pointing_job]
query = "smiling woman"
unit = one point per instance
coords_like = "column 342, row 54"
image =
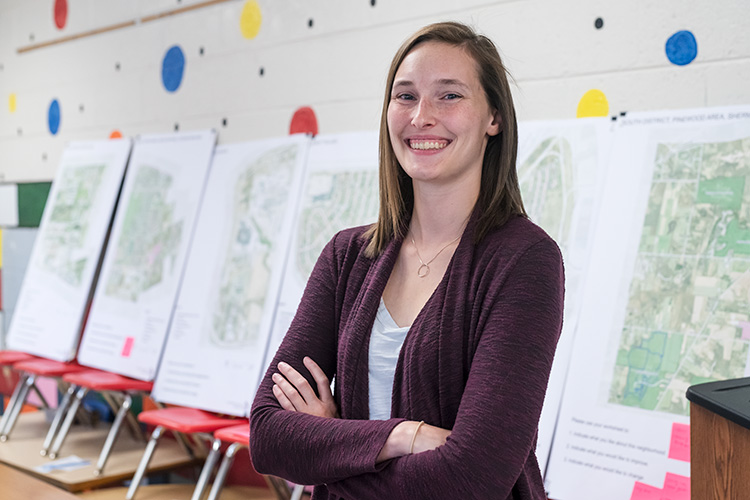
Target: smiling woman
column 439, row 322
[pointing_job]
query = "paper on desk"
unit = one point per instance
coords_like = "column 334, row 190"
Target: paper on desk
column 68, row 463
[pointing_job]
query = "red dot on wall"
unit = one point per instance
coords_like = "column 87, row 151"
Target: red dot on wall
column 304, row 122
column 61, row 13
column 116, row 134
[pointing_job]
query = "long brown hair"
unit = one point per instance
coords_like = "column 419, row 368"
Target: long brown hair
column 499, row 193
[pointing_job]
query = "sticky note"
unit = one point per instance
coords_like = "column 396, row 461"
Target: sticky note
column 127, row 347
column 676, row 487
column 642, row 491
column 679, row 445
column 745, row 325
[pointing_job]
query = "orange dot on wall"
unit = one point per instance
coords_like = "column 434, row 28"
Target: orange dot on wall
column 116, row 134
column 61, row 13
column 304, row 122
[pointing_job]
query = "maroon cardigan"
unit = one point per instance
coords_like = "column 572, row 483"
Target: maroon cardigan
column 476, row 360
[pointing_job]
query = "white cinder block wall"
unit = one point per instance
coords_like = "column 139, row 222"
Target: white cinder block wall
column 332, row 55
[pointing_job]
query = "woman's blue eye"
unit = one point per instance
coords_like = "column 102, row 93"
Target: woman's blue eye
column 406, row 97
column 452, row 96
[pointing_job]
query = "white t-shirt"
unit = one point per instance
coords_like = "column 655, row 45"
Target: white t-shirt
column 385, row 345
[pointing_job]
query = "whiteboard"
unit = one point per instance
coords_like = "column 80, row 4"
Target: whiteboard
column 51, row 303
column 146, row 253
column 216, row 346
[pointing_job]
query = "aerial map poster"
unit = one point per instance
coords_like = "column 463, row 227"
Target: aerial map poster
column 340, row 191
column 666, row 304
column 55, row 290
column 561, row 166
column 145, row 256
column 216, row 346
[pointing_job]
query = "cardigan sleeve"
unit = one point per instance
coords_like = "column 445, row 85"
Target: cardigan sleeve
column 304, row 448
column 495, row 430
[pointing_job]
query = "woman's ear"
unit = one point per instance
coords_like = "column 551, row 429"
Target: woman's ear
column 496, row 125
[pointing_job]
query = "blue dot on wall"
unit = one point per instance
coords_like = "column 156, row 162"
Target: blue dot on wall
column 681, row 48
column 53, row 117
column 172, row 68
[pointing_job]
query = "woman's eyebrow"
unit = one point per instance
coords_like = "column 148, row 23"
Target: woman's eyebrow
column 441, row 81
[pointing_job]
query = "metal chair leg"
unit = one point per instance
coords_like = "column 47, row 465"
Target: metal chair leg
column 279, row 487
column 221, row 476
column 143, row 464
column 112, row 435
column 41, row 397
column 16, row 409
column 11, row 404
column 298, row 490
column 208, row 467
column 55, row 426
column 70, row 415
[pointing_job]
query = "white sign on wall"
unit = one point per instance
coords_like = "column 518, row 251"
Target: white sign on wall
column 217, row 342
column 146, row 253
column 49, row 313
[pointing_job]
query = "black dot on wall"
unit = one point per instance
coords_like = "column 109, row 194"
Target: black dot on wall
column 176, row 127
column 117, row 66
column 1, row 67
column 31, row 37
column 20, row 131
column 200, row 51
column 261, row 71
column 223, row 122
column 80, row 108
column 372, row 3
column 599, row 23
column 310, row 23
column 44, row 156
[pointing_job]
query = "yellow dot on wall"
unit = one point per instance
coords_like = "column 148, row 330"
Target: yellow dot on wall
column 250, row 19
column 12, row 103
column 593, row 103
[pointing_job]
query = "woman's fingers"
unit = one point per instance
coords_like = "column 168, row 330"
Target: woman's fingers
column 324, row 386
column 282, row 399
column 298, row 381
column 289, row 391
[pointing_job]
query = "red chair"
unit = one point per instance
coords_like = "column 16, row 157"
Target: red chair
column 8, row 359
column 239, row 437
column 180, row 421
column 30, row 369
column 116, row 390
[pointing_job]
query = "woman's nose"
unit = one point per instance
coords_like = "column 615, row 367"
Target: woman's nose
column 424, row 115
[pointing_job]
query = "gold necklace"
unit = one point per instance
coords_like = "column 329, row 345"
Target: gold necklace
column 424, row 269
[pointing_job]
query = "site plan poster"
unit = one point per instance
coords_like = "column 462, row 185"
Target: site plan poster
column 665, row 304
column 145, row 256
column 56, row 288
column 340, row 191
column 561, row 166
column 216, row 346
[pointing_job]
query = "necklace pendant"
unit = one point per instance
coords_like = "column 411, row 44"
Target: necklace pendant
column 423, row 270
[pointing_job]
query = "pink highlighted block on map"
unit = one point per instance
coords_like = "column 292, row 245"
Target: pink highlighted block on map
column 676, row 487
column 642, row 491
column 679, row 445
column 745, row 325
column 127, row 347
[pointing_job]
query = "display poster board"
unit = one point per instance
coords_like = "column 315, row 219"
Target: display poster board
column 561, row 167
column 52, row 301
column 665, row 304
column 216, row 346
column 145, row 256
column 340, row 191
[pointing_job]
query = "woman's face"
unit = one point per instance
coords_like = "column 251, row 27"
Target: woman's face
column 438, row 116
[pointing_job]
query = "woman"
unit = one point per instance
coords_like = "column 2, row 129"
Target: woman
column 452, row 260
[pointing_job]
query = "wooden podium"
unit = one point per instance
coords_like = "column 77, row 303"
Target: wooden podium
column 720, row 440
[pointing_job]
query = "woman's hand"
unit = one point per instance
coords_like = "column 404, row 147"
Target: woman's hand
column 294, row 393
column 399, row 442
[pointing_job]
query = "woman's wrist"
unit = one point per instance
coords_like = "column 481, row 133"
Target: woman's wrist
column 399, row 441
